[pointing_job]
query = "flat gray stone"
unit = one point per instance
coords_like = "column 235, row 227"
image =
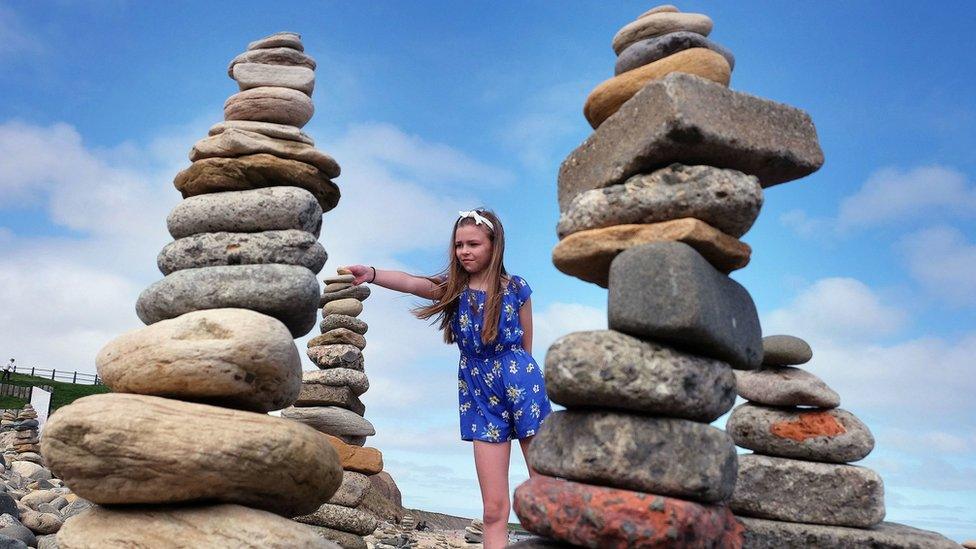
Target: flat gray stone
column 317, row 394
column 352, row 491
column 649, row 50
column 278, row 131
column 834, row 436
column 352, row 323
column 235, row 142
column 690, row 120
column 338, row 377
column 607, row 369
column 785, row 386
column 345, row 540
column 664, row 456
column 288, row 247
column 805, row 491
column 267, row 209
column 286, row 292
column 291, row 40
column 254, row 75
column 785, row 350
column 331, row 420
column 656, row 24
column 336, row 356
column 270, row 104
column 273, row 56
column 341, row 518
column 728, row 200
column 359, row 293
column 774, row 534
column 667, row 292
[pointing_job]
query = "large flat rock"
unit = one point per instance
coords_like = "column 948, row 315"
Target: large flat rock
column 596, row 516
column 337, row 356
column 235, row 142
column 253, row 75
column 774, row 534
column 671, row 457
column 610, row 370
column 686, row 119
column 587, row 254
column 288, row 247
column 280, row 131
column 804, row 491
column 315, row 394
column 728, row 200
column 287, row 292
column 287, row 56
column 258, row 210
column 667, row 292
column 235, row 358
column 270, row 104
column 182, row 527
column 834, row 435
column 255, row 171
column 119, row 448
column 331, row 420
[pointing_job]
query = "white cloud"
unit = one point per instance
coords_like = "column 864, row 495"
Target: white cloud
column 538, row 132
column 559, row 319
column 944, row 262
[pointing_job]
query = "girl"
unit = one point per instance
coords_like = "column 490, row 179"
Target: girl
column 488, row 313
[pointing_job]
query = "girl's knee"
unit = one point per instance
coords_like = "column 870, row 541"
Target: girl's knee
column 496, row 511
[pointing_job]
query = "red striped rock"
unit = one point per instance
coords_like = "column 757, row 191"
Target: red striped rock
column 594, row 516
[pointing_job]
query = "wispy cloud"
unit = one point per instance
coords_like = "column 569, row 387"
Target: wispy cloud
column 943, row 261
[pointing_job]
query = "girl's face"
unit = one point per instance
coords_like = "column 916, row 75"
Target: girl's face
column 472, row 247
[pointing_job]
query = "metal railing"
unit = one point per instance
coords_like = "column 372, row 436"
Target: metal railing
column 62, row 375
column 17, row 391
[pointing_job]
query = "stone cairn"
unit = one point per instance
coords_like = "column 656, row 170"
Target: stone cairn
column 183, row 453
column 26, row 444
column 652, row 205
column 329, row 402
column 475, row 532
column 801, row 438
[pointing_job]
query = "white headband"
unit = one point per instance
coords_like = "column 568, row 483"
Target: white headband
column 478, row 219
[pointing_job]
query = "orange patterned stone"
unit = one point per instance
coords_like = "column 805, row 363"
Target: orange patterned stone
column 595, row 516
column 809, row 425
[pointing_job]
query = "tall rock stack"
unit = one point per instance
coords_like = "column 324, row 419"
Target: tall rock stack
column 329, row 402
column 802, row 439
column 26, row 444
column 652, row 205
column 184, row 453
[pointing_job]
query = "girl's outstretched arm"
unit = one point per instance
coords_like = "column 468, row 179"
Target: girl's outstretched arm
column 395, row 280
column 525, row 319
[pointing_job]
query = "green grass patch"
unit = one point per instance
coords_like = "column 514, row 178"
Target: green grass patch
column 64, row 393
column 11, row 403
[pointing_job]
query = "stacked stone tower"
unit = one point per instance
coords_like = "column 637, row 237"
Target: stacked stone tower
column 26, row 444
column 652, row 205
column 329, row 402
column 802, row 439
column 184, row 453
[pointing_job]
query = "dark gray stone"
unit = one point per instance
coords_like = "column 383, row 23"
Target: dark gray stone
column 649, row 50
column 360, row 293
column 834, row 436
column 666, row 291
column 318, row 394
column 690, row 120
column 664, row 456
column 774, row 534
column 331, row 322
column 805, row 491
column 785, row 386
column 288, row 247
column 728, row 200
column 12, row 528
column 257, row 210
column 8, row 505
column 336, row 356
column 7, row 542
column 26, row 425
column 338, row 377
column 785, row 350
column 341, row 518
column 607, row 369
column 75, row 507
column 286, row 292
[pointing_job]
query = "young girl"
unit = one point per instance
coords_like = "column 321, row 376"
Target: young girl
column 488, row 313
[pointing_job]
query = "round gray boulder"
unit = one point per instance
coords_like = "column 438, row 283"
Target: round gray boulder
column 288, row 247
column 256, row 210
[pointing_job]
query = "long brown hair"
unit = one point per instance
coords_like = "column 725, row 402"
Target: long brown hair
column 454, row 279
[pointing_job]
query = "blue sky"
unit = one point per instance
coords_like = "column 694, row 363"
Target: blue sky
column 432, row 107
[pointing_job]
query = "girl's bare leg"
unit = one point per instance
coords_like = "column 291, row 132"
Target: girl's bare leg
column 491, row 461
column 525, row 442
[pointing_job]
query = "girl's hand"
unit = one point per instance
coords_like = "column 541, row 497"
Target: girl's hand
column 361, row 272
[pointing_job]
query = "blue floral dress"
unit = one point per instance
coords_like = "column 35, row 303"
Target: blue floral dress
column 501, row 390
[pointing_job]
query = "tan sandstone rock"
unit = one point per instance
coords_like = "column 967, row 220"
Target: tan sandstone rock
column 607, row 97
column 270, row 104
column 119, row 448
column 663, row 8
column 235, row 358
column 255, row 171
column 338, row 336
column 348, row 306
column 360, row 459
column 225, row 526
column 235, row 142
column 254, row 75
column 587, row 254
column 652, row 24
column 279, row 131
